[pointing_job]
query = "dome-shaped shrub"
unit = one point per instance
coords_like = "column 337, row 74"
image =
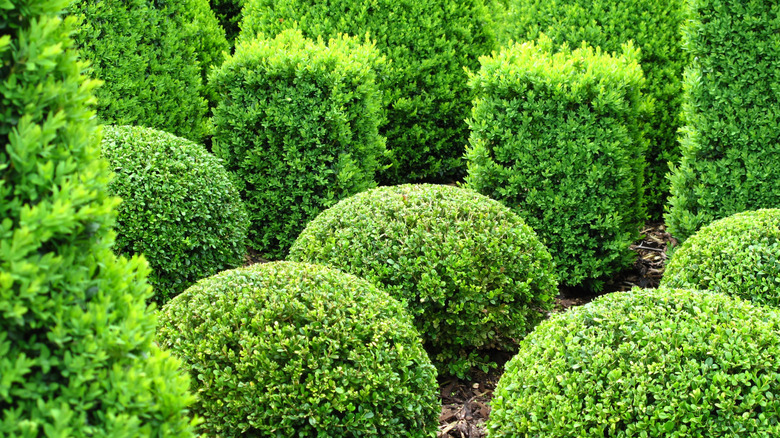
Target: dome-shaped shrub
column 738, row 255
column 179, row 207
column 297, row 124
column 472, row 273
column 290, row 349
column 429, row 43
column 152, row 57
column 77, row 357
column 652, row 363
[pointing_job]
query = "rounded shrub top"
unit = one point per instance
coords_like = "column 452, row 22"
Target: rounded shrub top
column 179, row 207
column 738, row 255
column 653, row 363
column 471, row 272
column 290, row 349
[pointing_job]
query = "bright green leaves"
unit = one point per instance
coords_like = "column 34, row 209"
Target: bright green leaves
column 289, row 349
column 472, row 274
column 557, row 137
column 297, row 125
column 179, row 207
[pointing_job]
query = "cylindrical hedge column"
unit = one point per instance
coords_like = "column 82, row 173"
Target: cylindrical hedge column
column 297, row 124
column 557, row 137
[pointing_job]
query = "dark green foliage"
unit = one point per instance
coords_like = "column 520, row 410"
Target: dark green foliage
column 654, row 27
column 473, row 275
column 290, row 349
column 645, row 363
column 557, row 138
column 429, row 43
column 731, row 141
column 179, row 208
column 153, row 57
column 76, row 351
column 228, row 13
column 738, row 255
column 297, row 125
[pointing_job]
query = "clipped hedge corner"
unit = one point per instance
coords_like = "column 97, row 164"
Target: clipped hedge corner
column 290, row 349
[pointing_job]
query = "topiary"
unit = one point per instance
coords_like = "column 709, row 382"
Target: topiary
column 472, row 273
column 297, row 125
column 429, row 43
column 152, row 57
column 653, row 363
column 731, row 108
column 557, row 137
column 289, row 349
column 738, row 255
column 180, row 209
column 76, row 351
column 653, row 26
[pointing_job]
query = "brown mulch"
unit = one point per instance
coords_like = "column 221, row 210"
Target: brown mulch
column 466, row 403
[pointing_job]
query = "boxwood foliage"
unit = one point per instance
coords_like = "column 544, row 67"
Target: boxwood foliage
column 180, row 209
column 473, row 275
column 654, row 27
column 557, row 137
column 429, row 42
column 77, row 357
column 738, row 255
column 731, row 145
column 228, row 13
column 298, row 126
column 153, row 57
column 653, row 363
column 290, row 349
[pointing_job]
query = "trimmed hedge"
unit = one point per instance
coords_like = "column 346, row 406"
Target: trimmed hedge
column 731, row 144
column 738, row 255
column 557, row 137
column 289, row 349
column 473, row 275
column 152, row 57
column 180, row 209
column 654, row 28
column 297, row 124
column 77, row 357
column 653, row 363
column 429, row 43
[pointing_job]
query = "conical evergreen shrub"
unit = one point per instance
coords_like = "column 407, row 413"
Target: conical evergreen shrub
column 77, row 356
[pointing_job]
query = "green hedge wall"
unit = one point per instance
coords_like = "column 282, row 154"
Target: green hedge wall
column 429, row 42
column 647, row 363
column 654, row 27
column 77, row 357
column 731, row 141
column 557, row 137
column 297, row 124
column 289, row 349
column 152, row 57
column 179, row 208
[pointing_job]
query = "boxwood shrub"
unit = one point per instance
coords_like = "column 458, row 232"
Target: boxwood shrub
column 429, row 43
column 152, row 57
column 654, row 28
column 179, row 207
column 557, row 137
column 473, row 275
column 731, row 108
column 738, row 255
column 297, row 124
column 652, row 363
column 290, row 349
column 77, row 357
column 228, row 13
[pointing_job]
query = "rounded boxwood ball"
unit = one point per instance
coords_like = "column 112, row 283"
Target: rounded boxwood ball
column 650, row 363
column 179, row 207
column 291, row 349
column 738, row 255
column 473, row 275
